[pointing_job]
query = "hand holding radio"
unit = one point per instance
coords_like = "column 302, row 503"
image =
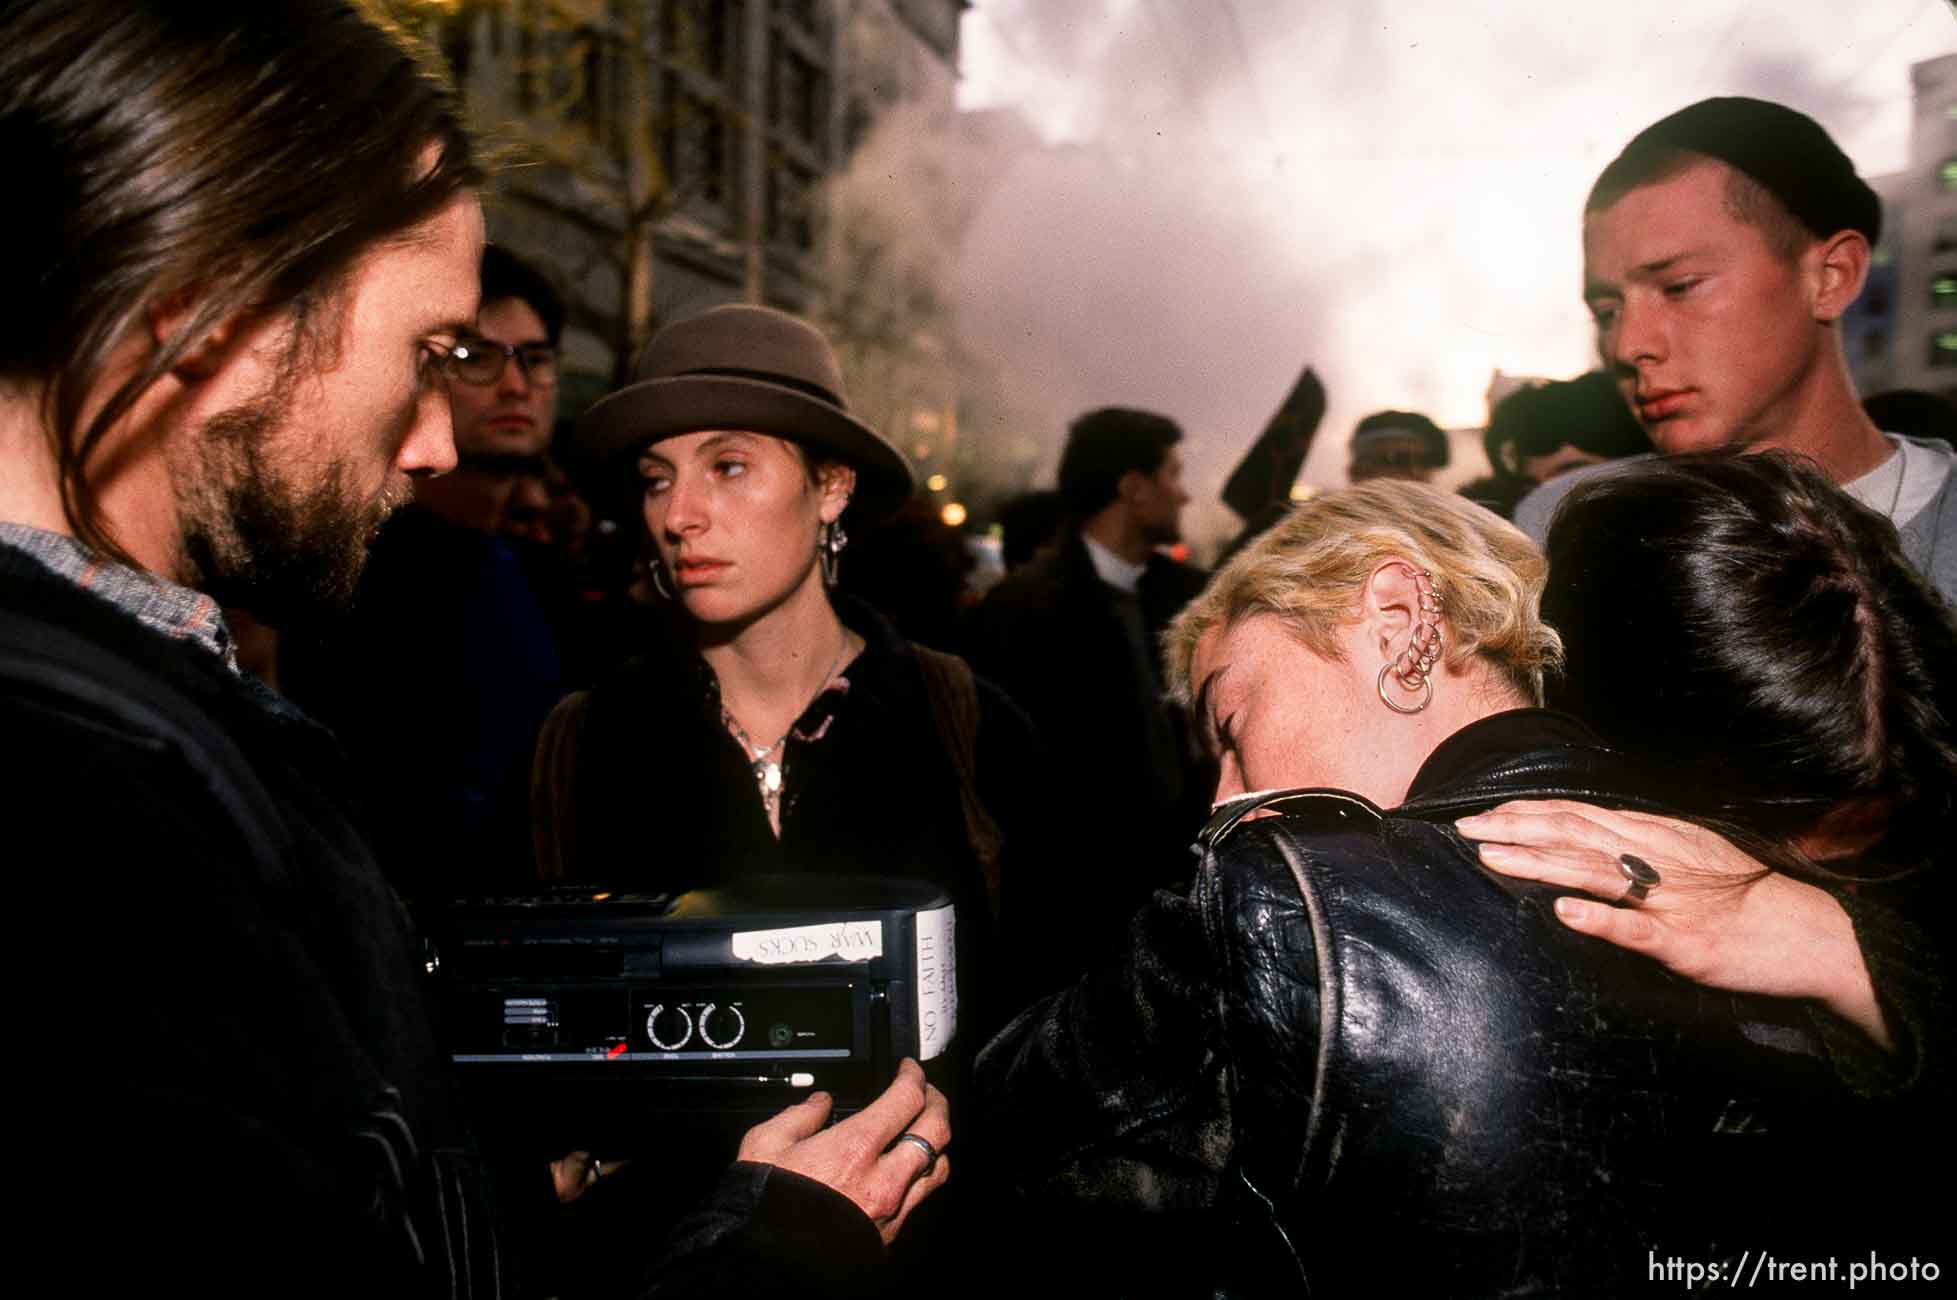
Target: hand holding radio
column 886, row 1158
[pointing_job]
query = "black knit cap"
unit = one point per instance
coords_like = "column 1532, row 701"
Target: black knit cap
column 1786, row 152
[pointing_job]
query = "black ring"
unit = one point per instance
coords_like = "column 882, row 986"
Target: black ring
column 1641, row 876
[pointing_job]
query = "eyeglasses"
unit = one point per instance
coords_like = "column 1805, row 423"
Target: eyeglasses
column 481, row 361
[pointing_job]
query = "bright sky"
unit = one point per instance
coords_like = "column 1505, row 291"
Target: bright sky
column 1389, row 189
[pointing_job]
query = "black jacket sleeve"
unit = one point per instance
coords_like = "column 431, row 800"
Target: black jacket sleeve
column 1911, row 979
column 1113, row 1091
column 766, row 1229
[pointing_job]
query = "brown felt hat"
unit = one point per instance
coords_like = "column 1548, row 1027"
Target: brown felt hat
column 753, row 369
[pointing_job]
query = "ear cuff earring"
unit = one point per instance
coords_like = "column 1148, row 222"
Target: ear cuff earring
column 1413, row 667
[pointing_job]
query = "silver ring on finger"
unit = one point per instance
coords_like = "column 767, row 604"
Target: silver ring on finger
column 1640, row 878
column 924, row 1145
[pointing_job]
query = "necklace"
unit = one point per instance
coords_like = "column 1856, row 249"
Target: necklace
column 767, row 770
column 1902, row 477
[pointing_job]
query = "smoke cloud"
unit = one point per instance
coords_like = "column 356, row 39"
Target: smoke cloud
column 1211, row 193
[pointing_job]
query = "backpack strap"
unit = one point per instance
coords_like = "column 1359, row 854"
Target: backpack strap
column 953, row 692
column 44, row 659
column 553, row 788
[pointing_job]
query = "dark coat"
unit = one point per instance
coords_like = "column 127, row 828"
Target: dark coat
column 240, row 1076
column 436, row 682
column 1051, row 636
column 1351, row 1056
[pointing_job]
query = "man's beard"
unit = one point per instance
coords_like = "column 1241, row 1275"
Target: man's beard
column 288, row 553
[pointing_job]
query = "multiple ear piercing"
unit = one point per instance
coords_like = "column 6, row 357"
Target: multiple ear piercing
column 1412, row 668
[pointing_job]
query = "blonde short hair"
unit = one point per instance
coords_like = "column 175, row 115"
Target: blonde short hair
column 1309, row 569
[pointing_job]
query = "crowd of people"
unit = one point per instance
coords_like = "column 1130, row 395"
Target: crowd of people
column 1568, row 895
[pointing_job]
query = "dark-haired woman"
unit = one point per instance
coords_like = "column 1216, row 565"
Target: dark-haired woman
column 1535, row 434
column 769, row 724
column 1759, row 637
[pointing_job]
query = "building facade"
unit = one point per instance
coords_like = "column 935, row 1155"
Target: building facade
column 669, row 155
column 1902, row 333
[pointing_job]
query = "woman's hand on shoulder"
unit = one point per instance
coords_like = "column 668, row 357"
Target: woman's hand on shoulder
column 1717, row 916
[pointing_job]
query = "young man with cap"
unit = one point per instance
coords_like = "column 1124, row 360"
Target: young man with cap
column 1721, row 248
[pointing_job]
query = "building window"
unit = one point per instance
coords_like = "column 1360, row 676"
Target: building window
column 790, row 208
column 703, row 35
column 453, row 39
column 1874, row 344
column 1943, row 348
column 800, row 101
column 1946, row 236
column 805, row 14
column 564, row 69
column 697, row 150
column 1943, row 292
column 1947, row 176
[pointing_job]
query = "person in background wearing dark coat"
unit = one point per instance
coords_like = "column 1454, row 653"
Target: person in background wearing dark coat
column 1536, row 433
column 1397, row 444
column 1916, row 414
column 1073, row 639
column 448, row 774
column 1034, row 525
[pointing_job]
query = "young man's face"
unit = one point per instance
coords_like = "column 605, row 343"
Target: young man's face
column 513, row 415
column 1710, row 335
column 281, row 491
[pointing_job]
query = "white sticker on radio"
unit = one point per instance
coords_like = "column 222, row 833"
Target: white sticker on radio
column 937, row 982
column 849, row 940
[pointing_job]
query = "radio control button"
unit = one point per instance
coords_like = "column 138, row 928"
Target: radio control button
column 669, row 1028
column 722, row 1027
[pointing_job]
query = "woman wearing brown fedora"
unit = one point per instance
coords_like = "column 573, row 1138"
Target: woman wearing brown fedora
column 773, row 725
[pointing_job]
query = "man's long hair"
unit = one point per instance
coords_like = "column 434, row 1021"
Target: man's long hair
column 231, row 155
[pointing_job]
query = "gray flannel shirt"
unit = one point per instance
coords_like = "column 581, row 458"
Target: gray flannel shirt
column 158, row 604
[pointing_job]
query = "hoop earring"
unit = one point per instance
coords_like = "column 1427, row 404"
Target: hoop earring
column 656, row 570
column 1387, row 700
column 829, row 550
column 1413, row 666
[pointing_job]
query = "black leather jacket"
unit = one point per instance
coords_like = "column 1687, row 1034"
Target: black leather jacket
column 1351, row 1059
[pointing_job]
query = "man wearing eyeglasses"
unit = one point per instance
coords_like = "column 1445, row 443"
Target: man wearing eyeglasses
column 507, row 401
column 504, row 400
